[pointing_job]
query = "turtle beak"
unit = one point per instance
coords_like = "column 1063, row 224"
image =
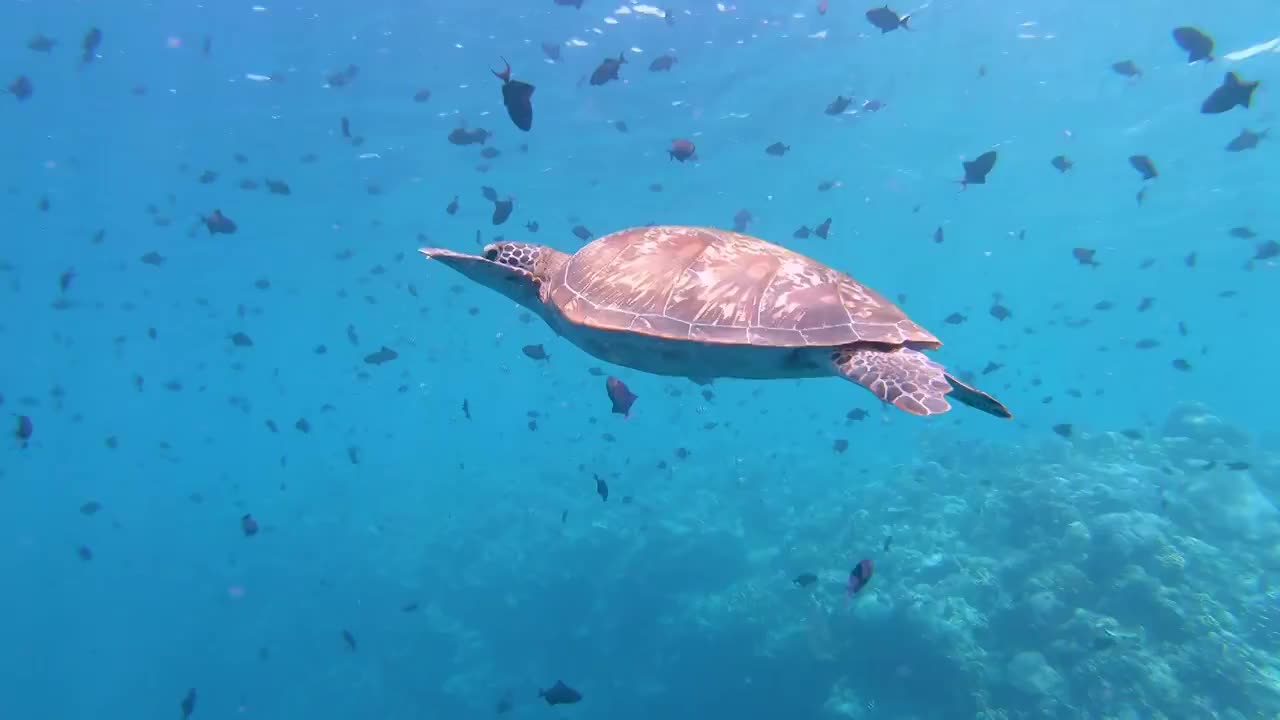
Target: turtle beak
column 449, row 257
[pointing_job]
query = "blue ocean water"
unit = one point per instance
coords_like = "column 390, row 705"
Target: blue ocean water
column 211, row 495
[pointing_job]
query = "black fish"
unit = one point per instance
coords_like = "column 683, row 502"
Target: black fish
column 570, row 3
column 1061, row 163
column 383, row 355
column 517, row 97
column 975, row 171
column 608, row 70
column 1064, row 429
column 24, row 430
column 277, row 187
column 1143, row 164
column 452, row 208
column 888, row 541
column 1198, row 45
column 422, row 95
column 602, row 488
column 777, row 149
column 346, row 127
column 1126, row 68
column 1084, row 256
column 560, row 694
column 21, row 88
column 89, row 45
column 839, row 105
column 741, row 219
column 502, row 210
column 535, row 352
column 41, row 43
column 805, row 579
column 219, row 224
column 463, row 136
column 489, row 193
column 662, row 63
column 822, row 230
column 1231, row 93
column 248, row 525
column 188, row 704
column 887, row 20
column 620, row 395
column 551, row 50
column 349, row 640
column 581, row 232
column 802, row 232
column 1246, row 140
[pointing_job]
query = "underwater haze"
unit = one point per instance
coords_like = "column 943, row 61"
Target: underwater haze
column 264, row 459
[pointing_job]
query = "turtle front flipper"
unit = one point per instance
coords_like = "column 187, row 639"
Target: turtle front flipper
column 905, row 378
column 909, row 380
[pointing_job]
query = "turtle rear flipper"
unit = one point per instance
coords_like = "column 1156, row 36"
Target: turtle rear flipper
column 905, row 378
column 977, row 399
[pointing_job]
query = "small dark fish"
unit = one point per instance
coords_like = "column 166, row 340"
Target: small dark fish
column 741, row 219
column 21, row 88
column 873, row 105
column 887, row 20
column 65, row 279
column 41, row 43
column 840, row 445
column 802, row 232
column 1061, row 163
column 823, row 229
column 241, row 339
column 602, row 488
column 1237, row 466
column 805, row 579
column 955, row 318
column 569, row 3
column 409, row 607
column 1143, row 164
column 682, row 150
column 535, row 352
column 859, row 576
column 777, row 149
column 345, row 125
column 502, row 210
column 551, row 51
column 466, row 409
column 560, row 694
column 1267, row 250
column 248, row 525
column 1197, row 45
column 581, row 232
column 90, row 508
column 1064, row 429
column 620, row 126
column 452, row 208
column 531, row 226
column 463, row 136
column 856, row 415
column 85, row 553
column 1084, row 256
column 888, row 542
column 89, row 45
column 277, row 187
column 517, row 97
column 608, row 70
column 1127, row 68
column 1233, row 92
column 24, row 430
column 349, row 640
column 1181, row 364
column 976, row 170
column 422, row 95
column 1246, row 140
column 838, row 106
column 662, row 63
column 1000, row 312
column 343, row 77
column 219, row 224
column 620, row 395
column 937, row 235
column 383, row 355
column 188, row 704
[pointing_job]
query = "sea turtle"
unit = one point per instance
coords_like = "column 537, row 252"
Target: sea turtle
column 704, row 303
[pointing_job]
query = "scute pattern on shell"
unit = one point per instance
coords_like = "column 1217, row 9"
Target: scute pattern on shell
column 716, row 286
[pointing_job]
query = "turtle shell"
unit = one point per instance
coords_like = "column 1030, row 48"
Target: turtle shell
column 720, row 287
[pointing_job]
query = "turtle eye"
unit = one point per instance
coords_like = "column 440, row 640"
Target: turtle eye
column 491, row 255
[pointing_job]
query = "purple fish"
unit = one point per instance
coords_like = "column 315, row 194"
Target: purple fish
column 620, row 395
column 859, row 576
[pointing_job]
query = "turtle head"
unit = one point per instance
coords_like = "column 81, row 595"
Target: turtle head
column 514, row 269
